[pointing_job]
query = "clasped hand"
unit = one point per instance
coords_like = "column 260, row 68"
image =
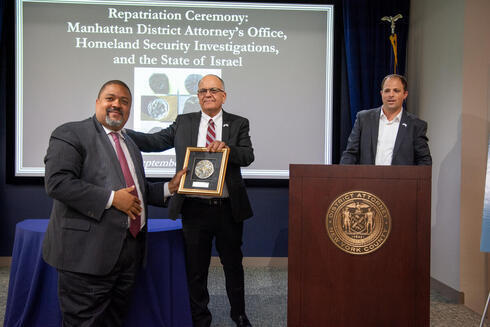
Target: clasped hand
column 127, row 202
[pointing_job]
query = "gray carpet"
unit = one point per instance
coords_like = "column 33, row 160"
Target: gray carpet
column 4, row 284
column 266, row 297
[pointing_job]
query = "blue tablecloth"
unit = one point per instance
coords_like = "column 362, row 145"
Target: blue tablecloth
column 160, row 297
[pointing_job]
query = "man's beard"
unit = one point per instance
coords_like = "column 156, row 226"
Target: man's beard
column 112, row 122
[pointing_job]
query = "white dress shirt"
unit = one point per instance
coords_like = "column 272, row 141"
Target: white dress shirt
column 203, row 127
column 386, row 138
column 203, row 131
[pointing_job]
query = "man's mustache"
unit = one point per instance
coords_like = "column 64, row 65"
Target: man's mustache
column 114, row 109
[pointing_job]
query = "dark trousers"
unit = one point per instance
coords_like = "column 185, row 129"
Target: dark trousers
column 90, row 300
column 202, row 221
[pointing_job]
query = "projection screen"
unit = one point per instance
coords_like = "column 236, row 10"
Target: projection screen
column 276, row 61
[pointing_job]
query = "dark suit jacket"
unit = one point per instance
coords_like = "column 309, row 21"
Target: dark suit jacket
column 184, row 132
column 410, row 148
column 82, row 169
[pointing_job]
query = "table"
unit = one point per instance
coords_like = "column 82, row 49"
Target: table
column 160, row 297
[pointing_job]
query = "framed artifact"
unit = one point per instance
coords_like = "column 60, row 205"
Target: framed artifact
column 206, row 172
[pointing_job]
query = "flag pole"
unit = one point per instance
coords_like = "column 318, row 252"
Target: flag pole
column 393, row 37
column 485, row 311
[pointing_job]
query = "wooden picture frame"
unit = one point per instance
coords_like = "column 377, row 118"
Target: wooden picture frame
column 206, row 172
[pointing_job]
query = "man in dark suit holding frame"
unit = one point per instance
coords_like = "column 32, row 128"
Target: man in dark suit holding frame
column 388, row 135
column 204, row 218
column 96, row 237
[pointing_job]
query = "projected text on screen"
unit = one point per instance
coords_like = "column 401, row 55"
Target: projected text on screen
column 276, row 61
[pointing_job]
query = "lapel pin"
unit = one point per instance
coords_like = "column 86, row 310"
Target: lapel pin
column 225, row 125
column 404, row 124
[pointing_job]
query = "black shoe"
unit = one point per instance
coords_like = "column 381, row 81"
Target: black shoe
column 242, row 321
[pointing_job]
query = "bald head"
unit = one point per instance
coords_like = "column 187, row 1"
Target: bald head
column 212, row 76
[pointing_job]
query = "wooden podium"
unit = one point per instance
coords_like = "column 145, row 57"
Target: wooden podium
column 330, row 287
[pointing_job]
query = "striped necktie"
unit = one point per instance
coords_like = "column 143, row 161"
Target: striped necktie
column 211, row 135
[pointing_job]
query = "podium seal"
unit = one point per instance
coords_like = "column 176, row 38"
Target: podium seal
column 358, row 222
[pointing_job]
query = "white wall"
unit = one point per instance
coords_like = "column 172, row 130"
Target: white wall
column 449, row 86
column 435, row 61
column 476, row 84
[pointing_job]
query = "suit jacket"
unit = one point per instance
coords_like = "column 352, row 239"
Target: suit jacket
column 184, row 132
column 410, row 148
column 82, row 169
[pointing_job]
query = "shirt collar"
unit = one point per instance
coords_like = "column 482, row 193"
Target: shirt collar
column 108, row 131
column 215, row 118
column 397, row 118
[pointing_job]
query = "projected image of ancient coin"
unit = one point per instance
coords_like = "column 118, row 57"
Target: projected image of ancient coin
column 159, row 83
column 204, row 169
column 191, row 105
column 158, row 108
column 191, row 82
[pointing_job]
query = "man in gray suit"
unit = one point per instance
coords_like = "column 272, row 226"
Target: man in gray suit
column 204, row 219
column 96, row 236
column 388, row 135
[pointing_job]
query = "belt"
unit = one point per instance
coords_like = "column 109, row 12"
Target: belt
column 212, row 202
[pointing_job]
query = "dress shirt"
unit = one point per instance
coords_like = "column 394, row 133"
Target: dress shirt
column 203, row 127
column 203, row 130
column 131, row 170
column 386, row 138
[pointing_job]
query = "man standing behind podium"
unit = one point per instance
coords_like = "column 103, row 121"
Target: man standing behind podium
column 388, row 135
column 206, row 218
column 96, row 236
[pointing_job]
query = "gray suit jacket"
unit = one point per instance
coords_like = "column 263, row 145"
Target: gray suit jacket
column 410, row 148
column 82, row 169
column 184, row 132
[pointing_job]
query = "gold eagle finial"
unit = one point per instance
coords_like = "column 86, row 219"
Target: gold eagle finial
column 392, row 20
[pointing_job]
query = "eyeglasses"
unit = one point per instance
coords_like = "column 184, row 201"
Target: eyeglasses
column 212, row 90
